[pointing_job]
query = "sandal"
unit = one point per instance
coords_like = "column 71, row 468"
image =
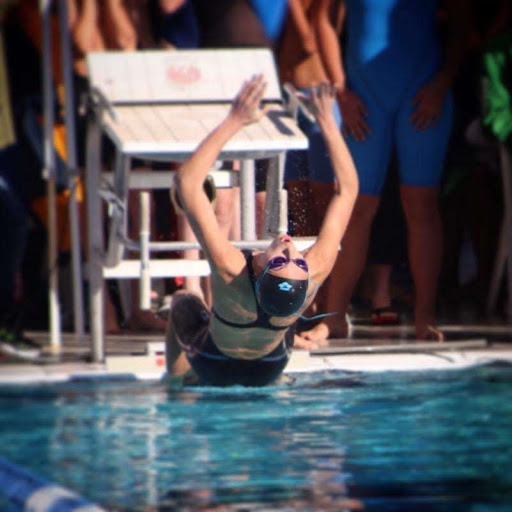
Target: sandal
column 384, row 316
column 16, row 345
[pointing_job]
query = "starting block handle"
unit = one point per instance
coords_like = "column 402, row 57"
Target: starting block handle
column 296, row 101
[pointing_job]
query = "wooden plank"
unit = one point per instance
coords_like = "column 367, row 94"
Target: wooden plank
column 193, row 122
column 120, row 133
column 130, row 117
column 180, row 75
column 156, row 124
column 256, row 131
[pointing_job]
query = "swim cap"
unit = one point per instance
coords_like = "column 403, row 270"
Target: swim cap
column 280, row 296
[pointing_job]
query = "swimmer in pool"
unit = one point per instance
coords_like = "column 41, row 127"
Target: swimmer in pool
column 257, row 296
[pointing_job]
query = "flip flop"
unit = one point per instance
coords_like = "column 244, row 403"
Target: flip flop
column 26, row 351
column 384, row 316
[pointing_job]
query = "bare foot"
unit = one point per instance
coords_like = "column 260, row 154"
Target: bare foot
column 147, row 321
column 300, row 343
column 317, row 333
column 429, row 332
column 327, row 330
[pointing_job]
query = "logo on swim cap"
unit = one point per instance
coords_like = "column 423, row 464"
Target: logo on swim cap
column 281, row 297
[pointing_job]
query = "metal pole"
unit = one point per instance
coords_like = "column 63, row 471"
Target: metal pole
column 95, row 237
column 145, row 233
column 282, row 220
column 248, row 201
column 49, row 174
column 275, row 219
column 72, row 173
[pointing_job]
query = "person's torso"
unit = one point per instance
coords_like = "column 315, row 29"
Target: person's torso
column 229, row 24
column 301, row 68
column 388, row 42
column 238, row 326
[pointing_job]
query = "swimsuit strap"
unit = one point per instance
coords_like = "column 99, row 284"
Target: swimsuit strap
column 259, row 322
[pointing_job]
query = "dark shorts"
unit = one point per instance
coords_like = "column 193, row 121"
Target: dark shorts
column 191, row 321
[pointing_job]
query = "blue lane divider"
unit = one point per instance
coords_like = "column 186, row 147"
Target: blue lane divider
column 25, row 491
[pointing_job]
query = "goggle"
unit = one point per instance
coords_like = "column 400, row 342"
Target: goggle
column 279, row 262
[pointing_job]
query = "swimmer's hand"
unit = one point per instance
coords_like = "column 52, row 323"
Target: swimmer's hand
column 429, row 102
column 353, row 113
column 321, row 102
column 246, row 108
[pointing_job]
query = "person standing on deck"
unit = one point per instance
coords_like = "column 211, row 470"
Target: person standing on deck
column 395, row 94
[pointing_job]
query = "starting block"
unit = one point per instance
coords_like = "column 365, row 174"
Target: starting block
column 158, row 106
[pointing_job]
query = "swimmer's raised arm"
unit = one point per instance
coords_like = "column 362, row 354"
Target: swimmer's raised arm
column 245, row 110
column 339, row 210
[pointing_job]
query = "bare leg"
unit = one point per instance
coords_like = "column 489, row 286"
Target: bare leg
column 231, row 222
column 381, row 278
column 224, row 209
column 188, row 318
column 260, row 211
column 321, row 194
column 176, row 360
column 382, row 313
column 425, row 253
column 347, row 270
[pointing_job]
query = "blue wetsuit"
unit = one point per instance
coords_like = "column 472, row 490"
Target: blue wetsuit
column 272, row 14
column 392, row 50
column 180, row 27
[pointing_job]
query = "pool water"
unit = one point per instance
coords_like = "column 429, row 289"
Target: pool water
column 424, row 441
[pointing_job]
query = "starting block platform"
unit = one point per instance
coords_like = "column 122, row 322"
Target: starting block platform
column 158, row 106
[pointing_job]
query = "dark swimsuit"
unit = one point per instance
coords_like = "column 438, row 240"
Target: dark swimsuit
column 217, row 369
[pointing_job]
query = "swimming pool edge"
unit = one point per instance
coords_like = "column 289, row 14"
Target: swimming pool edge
column 300, row 362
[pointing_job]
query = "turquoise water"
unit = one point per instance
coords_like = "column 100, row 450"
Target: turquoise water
column 431, row 441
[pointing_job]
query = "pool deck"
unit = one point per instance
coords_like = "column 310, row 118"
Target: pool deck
column 368, row 349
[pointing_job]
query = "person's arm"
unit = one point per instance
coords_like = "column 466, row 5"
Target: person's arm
column 119, row 30
column 430, row 98
column 323, row 253
column 140, row 17
column 191, row 175
column 85, row 31
column 302, row 25
column 170, row 6
column 330, row 25
column 328, row 41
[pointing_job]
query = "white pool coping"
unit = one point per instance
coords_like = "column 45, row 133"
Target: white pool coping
column 363, row 358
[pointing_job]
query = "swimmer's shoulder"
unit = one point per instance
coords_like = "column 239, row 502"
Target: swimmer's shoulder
column 225, row 268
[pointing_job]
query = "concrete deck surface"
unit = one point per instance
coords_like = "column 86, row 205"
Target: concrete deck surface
column 368, row 348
